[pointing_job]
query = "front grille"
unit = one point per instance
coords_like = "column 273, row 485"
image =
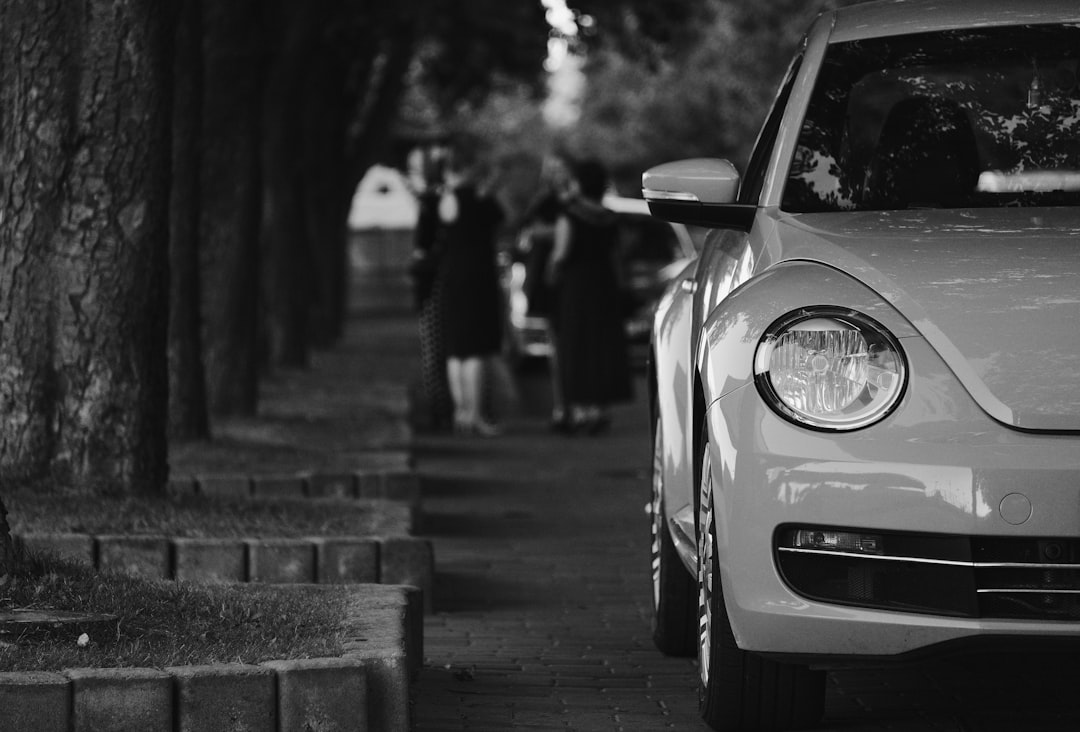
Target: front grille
column 976, row 577
column 1027, row 578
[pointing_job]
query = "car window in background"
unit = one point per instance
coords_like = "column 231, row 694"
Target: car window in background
column 965, row 118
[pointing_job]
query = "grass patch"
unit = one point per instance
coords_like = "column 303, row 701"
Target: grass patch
column 201, row 517
column 163, row 623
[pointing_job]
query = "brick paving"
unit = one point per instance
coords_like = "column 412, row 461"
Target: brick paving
column 542, row 605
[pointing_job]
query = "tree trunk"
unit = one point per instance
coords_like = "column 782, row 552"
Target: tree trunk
column 7, row 551
column 356, row 118
column 36, row 92
column 84, row 239
column 231, row 203
column 288, row 272
column 188, row 418
column 324, row 130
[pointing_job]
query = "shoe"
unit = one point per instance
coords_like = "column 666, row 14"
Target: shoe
column 485, row 429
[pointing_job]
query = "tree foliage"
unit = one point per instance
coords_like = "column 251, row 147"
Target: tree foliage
column 706, row 95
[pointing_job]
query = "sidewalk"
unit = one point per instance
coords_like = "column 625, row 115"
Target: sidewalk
column 347, row 413
column 337, row 430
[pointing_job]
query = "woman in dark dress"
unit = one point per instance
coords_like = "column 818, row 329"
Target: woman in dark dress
column 591, row 337
column 435, row 407
column 472, row 302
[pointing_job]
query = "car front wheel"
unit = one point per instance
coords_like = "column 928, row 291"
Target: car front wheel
column 742, row 691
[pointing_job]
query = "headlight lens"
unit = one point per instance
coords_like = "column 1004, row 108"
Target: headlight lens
column 830, row 369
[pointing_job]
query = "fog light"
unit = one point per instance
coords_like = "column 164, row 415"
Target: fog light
column 836, row 541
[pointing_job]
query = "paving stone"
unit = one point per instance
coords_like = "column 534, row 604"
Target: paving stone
column 281, row 561
column 401, row 486
column 279, row 486
column 121, row 700
column 182, row 487
column 209, row 560
column 79, row 547
column 36, row 701
column 225, row 486
column 325, row 694
column 369, row 484
column 326, row 485
column 233, row 697
column 346, row 560
column 141, row 556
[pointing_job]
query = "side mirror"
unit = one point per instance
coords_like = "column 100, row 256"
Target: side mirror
column 699, row 191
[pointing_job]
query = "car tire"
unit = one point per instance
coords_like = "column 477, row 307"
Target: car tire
column 674, row 610
column 742, row 691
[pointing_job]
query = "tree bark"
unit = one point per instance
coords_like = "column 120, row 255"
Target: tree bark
column 296, row 30
column 324, row 129
column 188, row 417
column 36, row 80
column 7, row 550
column 85, row 173
column 231, row 203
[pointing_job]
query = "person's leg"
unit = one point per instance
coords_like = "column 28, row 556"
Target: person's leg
column 473, row 388
column 559, row 413
column 455, row 377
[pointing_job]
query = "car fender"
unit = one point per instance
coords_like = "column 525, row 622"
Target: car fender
column 731, row 332
column 729, row 340
column 672, row 389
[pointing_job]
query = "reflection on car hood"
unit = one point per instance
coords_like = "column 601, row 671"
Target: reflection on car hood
column 995, row 291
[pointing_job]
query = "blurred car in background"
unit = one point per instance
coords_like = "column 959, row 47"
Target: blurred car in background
column 651, row 253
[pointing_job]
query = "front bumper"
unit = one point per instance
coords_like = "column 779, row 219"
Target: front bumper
column 939, row 468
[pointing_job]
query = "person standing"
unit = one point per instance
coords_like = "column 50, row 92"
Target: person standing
column 539, row 236
column 472, row 303
column 426, row 179
column 591, row 339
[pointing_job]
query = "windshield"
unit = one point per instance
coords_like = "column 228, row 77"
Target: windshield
column 964, row 118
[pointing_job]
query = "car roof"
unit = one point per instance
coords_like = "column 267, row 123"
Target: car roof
column 899, row 17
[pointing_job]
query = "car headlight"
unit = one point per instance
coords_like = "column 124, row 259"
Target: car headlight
column 830, row 369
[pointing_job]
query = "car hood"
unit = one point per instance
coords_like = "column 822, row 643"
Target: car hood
column 995, row 291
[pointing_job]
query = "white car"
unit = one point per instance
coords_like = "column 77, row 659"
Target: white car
column 866, row 389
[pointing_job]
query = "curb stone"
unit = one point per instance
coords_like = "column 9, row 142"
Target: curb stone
column 209, row 696
column 120, row 698
column 394, row 483
column 382, row 654
column 399, row 484
column 321, row 694
column 395, row 560
column 35, row 700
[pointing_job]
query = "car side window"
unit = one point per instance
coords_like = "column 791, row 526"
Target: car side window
column 754, row 180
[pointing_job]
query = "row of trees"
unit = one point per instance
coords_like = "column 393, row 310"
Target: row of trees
column 174, row 181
